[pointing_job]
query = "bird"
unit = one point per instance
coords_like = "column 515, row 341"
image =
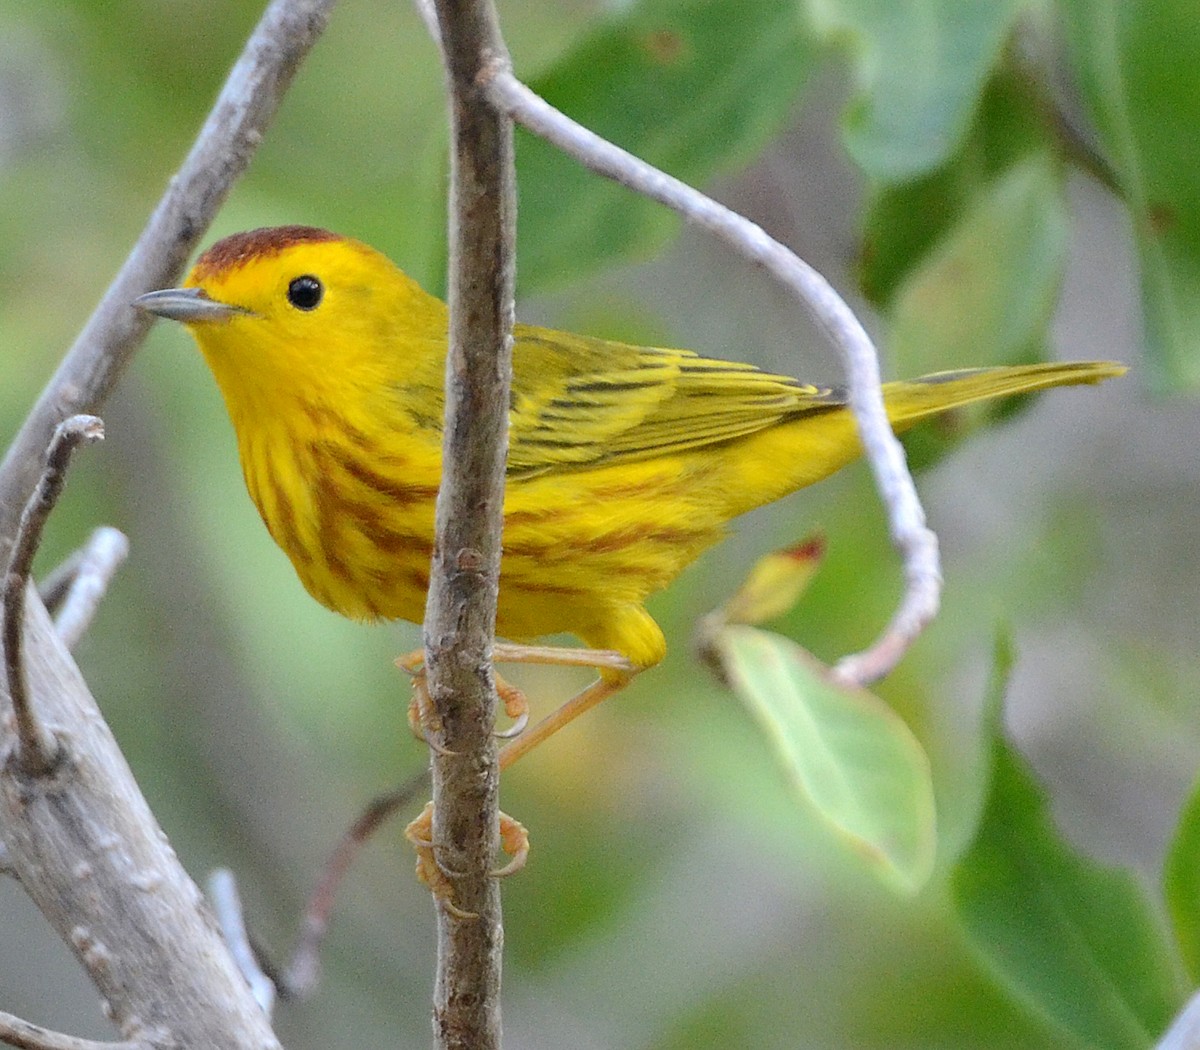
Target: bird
column 625, row 462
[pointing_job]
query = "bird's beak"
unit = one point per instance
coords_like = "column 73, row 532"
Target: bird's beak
column 188, row 305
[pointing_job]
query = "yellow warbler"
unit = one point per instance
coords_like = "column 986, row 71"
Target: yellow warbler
column 625, row 462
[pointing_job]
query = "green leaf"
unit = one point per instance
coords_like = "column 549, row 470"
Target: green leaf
column 920, row 66
column 906, row 220
column 1076, row 941
column 985, row 294
column 1181, row 883
column 693, row 87
column 847, row 753
column 1136, row 65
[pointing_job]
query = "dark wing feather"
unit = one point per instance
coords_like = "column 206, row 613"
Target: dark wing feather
column 589, row 402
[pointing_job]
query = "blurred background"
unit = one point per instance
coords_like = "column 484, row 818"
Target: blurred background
column 678, row 894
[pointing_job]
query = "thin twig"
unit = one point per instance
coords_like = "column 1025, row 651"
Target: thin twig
column 222, row 151
column 915, row 542
column 56, row 584
column 460, row 615
column 1184, row 1033
column 227, row 904
column 26, row 1036
column 300, row 978
column 94, row 566
column 36, row 747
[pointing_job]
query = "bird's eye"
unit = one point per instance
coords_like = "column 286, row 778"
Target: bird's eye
column 305, row 293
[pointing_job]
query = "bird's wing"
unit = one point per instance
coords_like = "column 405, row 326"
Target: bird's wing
column 586, row 402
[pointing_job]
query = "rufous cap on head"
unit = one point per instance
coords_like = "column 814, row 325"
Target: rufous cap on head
column 240, row 248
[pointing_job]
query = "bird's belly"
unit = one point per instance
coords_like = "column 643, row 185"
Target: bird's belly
column 575, row 545
column 579, row 544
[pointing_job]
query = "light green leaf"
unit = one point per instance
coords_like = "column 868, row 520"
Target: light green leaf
column 848, row 754
column 1181, row 883
column 905, row 221
column 986, row 292
column 985, row 295
column 691, row 86
column 920, row 66
column 1074, row 940
column 1136, row 65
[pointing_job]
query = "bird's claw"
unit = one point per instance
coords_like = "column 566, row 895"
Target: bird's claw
column 422, row 714
column 514, row 840
column 423, row 718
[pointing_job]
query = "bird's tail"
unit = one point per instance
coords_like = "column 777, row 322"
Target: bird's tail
column 815, row 443
column 911, row 400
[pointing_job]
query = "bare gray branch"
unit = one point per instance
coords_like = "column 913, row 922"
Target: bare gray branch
column 26, row 1036
column 92, row 858
column 460, row 616
column 93, row 568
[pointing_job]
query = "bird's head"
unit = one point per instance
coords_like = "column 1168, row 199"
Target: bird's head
column 299, row 309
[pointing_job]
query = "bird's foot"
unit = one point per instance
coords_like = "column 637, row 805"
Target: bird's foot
column 514, row 841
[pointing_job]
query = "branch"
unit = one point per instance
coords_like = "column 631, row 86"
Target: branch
column 915, row 542
column 300, row 978
column 89, row 853
column 222, row 151
column 227, row 905
column 37, row 750
column 26, row 1036
column 460, row 616
column 80, row 583
column 83, row 841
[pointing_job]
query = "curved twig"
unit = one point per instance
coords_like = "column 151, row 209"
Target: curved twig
column 300, row 978
column 913, row 539
column 36, row 748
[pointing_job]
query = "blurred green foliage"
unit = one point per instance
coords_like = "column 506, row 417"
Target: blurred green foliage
column 677, row 895
column 1133, row 68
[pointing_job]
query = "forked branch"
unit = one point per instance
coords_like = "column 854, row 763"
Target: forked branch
column 83, row 842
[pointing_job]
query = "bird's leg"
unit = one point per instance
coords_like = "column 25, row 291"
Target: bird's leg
column 562, row 656
column 423, row 718
column 616, row 673
column 615, row 669
column 601, row 689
